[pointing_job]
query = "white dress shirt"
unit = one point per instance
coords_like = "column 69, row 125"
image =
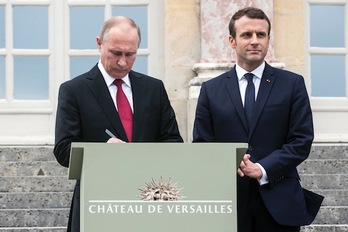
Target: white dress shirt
column 243, row 82
column 126, row 86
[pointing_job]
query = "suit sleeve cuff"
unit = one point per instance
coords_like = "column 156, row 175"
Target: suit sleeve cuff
column 264, row 178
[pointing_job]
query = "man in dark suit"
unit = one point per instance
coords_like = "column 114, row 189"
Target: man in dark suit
column 278, row 129
column 88, row 104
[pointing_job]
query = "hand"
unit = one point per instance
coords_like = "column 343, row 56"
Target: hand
column 115, row 140
column 248, row 168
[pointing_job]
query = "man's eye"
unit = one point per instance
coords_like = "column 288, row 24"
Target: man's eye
column 261, row 35
column 127, row 54
column 246, row 35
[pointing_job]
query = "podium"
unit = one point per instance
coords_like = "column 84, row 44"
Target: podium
column 186, row 187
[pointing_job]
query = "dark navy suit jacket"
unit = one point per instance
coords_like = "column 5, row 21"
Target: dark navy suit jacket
column 85, row 110
column 280, row 137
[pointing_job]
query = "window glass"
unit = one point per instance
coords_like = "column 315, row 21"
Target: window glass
column 2, row 77
column 139, row 15
column 31, row 78
column 140, row 64
column 30, row 27
column 80, row 65
column 85, row 24
column 328, row 79
column 2, row 27
column 327, row 26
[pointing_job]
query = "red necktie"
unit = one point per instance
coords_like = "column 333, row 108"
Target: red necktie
column 124, row 110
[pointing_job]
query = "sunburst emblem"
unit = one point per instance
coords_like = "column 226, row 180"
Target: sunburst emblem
column 160, row 191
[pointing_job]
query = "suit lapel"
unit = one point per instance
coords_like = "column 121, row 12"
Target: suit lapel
column 101, row 92
column 139, row 107
column 234, row 93
column 266, row 84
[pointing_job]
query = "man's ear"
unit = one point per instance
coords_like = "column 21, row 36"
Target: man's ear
column 232, row 41
column 99, row 43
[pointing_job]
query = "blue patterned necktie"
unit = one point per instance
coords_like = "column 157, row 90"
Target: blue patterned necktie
column 249, row 100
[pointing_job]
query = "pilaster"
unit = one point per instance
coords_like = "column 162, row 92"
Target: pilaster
column 217, row 56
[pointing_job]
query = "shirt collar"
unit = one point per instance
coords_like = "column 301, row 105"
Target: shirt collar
column 109, row 80
column 257, row 72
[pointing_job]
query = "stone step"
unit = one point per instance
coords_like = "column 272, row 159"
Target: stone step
column 325, row 181
column 34, row 217
column 325, row 228
column 324, row 166
column 32, row 168
column 331, row 152
column 337, row 215
column 36, row 184
column 33, row 229
column 334, row 197
column 35, row 200
column 28, row 153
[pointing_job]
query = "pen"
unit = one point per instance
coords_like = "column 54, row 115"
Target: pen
column 109, row 133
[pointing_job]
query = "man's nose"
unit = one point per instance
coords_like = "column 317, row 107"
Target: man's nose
column 254, row 39
column 122, row 60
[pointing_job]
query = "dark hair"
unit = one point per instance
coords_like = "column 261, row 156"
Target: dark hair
column 250, row 12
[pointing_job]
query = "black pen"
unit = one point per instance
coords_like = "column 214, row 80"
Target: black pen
column 109, row 133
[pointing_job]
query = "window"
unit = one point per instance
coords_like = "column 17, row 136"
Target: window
column 327, row 67
column 44, row 43
column 327, row 34
column 84, row 29
column 24, row 57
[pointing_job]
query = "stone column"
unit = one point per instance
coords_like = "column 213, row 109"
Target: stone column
column 216, row 54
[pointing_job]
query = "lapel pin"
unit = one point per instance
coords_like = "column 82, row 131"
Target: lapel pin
column 268, row 80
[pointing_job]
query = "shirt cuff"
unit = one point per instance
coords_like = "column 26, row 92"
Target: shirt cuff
column 264, row 178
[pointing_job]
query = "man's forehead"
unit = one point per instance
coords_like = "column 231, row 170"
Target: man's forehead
column 249, row 24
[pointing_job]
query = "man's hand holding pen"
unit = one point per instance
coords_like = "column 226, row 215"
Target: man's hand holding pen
column 113, row 138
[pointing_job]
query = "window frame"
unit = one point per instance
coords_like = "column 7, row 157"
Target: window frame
column 9, row 105
column 329, row 112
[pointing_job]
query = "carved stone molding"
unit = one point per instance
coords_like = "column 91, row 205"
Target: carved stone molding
column 207, row 71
